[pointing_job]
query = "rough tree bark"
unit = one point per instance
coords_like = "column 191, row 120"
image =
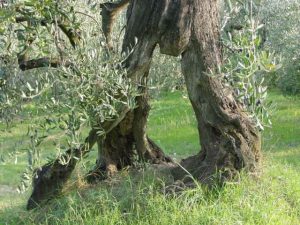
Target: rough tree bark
column 129, row 139
column 229, row 140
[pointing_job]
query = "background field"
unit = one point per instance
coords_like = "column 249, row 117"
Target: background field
column 272, row 198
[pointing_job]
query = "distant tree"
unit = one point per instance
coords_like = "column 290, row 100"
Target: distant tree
column 283, row 33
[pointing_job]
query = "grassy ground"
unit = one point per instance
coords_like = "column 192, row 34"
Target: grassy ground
column 273, row 198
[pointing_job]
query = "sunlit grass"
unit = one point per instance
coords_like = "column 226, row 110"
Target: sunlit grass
column 272, row 198
column 173, row 126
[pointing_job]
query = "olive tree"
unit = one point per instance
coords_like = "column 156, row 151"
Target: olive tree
column 230, row 140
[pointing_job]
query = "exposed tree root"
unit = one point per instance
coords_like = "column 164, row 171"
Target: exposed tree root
column 50, row 178
column 107, row 166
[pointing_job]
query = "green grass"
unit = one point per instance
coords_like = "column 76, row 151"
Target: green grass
column 272, row 198
column 173, row 126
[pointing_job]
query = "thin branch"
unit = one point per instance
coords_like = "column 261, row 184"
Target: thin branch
column 109, row 12
column 71, row 34
column 42, row 62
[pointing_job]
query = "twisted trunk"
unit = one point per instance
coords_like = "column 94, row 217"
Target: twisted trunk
column 229, row 139
column 128, row 141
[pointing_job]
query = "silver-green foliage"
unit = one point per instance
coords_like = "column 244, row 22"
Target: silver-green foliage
column 94, row 83
column 92, row 89
column 247, row 65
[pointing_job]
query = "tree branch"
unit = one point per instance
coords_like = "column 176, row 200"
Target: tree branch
column 109, row 12
column 42, row 62
column 71, row 34
column 25, row 64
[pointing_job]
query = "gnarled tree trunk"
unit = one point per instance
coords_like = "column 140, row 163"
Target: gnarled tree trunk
column 128, row 141
column 229, row 140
